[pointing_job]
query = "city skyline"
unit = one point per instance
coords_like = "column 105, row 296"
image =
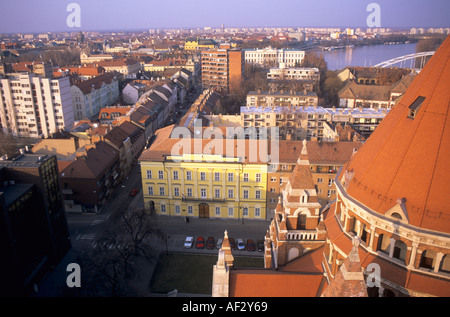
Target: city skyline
column 51, row 15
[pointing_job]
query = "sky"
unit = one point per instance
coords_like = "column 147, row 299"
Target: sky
column 34, row 16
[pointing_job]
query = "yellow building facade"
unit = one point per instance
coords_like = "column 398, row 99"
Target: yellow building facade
column 205, row 186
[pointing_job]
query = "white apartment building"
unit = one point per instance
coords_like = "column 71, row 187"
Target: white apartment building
column 32, row 106
column 300, row 122
column 89, row 96
column 273, row 98
column 294, row 73
column 273, row 57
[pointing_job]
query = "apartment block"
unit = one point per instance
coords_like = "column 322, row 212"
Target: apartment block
column 299, row 123
column 32, row 106
column 222, row 68
column 89, row 96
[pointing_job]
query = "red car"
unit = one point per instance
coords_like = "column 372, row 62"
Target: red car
column 200, row 244
column 251, row 246
column 134, row 192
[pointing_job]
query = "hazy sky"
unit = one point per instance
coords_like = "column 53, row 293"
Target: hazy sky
column 51, row 15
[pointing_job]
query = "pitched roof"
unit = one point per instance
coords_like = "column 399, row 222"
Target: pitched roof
column 95, row 83
column 302, row 277
column 93, row 164
column 409, row 157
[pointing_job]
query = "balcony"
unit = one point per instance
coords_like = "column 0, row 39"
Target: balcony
column 301, row 235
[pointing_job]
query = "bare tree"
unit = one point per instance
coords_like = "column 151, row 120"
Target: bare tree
column 109, row 263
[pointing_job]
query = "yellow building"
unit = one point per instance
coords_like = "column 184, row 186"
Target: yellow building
column 193, row 183
column 193, row 44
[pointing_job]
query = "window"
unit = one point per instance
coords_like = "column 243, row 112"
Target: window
column 189, row 192
column 245, row 194
column 176, row 191
column 230, row 177
column 175, row 175
column 190, row 210
column 177, row 209
column 272, row 190
column 230, row 211
column 245, row 177
column 216, row 176
column 245, row 211
column 163, row 208
column 273, row 179
column 257, row 212
column 149, row 174
column 217, row 211
column 203, row 193
column 161, row 191
column 258, row 194
column 320, row 180
column 415, row 106
column 216, row 193
column 189, row 175
column 230, row 193
column 330, row 182
column 161, row 174
column 202, row 176
column 258, row 177
column 331, row 192
column 150, row 190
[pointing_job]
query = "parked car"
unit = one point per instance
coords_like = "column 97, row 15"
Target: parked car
column 219, row 243
column 210, row 243
column 188, row 242
column 232, row 243
column 260, row 244
column 200, row 244
column 134, row 192
column 240, row 244
column 251, row 246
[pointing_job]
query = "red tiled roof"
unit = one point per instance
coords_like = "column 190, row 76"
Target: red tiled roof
column 267, row 283
column 409, row 158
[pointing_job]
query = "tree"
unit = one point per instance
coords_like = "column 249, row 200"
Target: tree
column 108, row 264
column 330, row 88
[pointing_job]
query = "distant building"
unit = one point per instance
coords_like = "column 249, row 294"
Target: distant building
column 125, row 66
column 273, row 57
column 34, row 235
column 32, row 106
column 88, row 59
column 194, row 44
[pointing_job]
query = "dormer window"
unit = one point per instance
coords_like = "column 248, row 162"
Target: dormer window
column 415, row 106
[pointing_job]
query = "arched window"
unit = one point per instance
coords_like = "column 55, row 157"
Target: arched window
column 445, row 264
column 428, row 259
column 396, row 215
column 400, row 250
column 383, row 243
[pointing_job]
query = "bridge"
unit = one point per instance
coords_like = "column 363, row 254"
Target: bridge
column 404, row 58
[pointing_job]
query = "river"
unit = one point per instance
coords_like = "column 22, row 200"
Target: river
column 369, row 55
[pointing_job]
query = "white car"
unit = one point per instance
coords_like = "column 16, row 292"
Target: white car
column 219, row 243
column 240, row 244
column 188, row 242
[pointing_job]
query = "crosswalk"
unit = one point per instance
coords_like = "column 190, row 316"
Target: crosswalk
column 86, row 236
